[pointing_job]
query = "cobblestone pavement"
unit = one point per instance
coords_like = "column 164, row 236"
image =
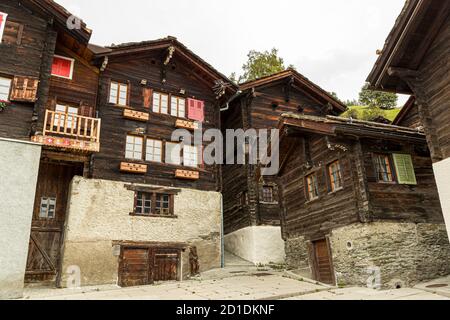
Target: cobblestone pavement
column 232, row 284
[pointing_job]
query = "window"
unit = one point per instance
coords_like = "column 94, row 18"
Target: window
column 60, row 117
column 162, row 204
column 335, row 176
column 268, row 194
column 177, row 107
column 160, row 103
column 173, row 153
column 47, row 208
column 62, row 67
column 143, row 204
column 134, row 148
column 312, row 187
column 153, row 204
column 383, row 168
column 118, row 93
column 190, row 156
column 153, row 150
column 196, row 110
column 5, row 88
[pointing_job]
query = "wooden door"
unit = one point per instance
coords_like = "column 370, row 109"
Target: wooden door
column 134, row 267
column 166, row 265
column 323, row 264
column 144, row 265
column 49, row 215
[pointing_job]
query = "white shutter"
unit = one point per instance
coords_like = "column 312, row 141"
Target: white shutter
column 173, row 153
column 113, row 92
column 164, row 104
column 156, row 101
column 182, row 108
column 3, row 17
column 174, row 106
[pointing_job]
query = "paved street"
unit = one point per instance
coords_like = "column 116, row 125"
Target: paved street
column 232, row 284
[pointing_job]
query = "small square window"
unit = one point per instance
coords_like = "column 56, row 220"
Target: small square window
column 268, row 194
column 133, row 148
column 160, row 103
column 118, row 93
column 62, row 67
column 47, row 208
column 153, row 204
column 143, row 203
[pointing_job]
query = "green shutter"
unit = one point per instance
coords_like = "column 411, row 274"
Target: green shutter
column 404, row 168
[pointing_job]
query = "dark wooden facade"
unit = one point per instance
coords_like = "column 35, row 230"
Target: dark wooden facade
column 415, row 60
column 310, row 144
column 259, row 106
column 146, row 68
column 409, row 115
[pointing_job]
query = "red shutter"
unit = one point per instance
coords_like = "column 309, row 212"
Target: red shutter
column 61, row 67
column 196, row 110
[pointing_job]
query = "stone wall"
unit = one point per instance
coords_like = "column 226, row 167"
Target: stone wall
column 393, row 254
column 18, row 176
column 380, row 254
column 99, row 214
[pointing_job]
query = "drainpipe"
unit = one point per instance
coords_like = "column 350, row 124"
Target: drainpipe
column 222, row 240
column 227, row 104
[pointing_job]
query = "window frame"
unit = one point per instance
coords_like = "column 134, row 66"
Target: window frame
column 330, row 176
column 153, row 198
column 180, row 163
column 73, row 122
column 48, row 204
column 142, row 146
column 391, row 164
column 308, row 192
column 72, row 66
column 161, row 158
column 196, row 153
column 161, row 94
column 117, row 100
column 177, row 99
column 8, row 97
column 272, row 194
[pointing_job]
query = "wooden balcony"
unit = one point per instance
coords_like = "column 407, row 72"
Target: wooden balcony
column 70, row 131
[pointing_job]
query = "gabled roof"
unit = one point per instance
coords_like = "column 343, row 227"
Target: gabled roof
column 301, row 81
column 406, row 45
column 60, row 17
column 161, row 44
column 404, row 111
column 334, row 126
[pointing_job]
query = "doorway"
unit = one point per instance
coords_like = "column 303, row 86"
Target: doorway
column 323, row 266
column 49, row 215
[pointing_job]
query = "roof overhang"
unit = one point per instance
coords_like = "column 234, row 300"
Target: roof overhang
column 407, row 44
column 300, row 82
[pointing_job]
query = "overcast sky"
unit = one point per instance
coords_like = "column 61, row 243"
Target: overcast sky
column 332, row 42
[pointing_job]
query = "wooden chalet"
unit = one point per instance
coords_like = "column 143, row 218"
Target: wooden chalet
column 415, row 60
column 359, row 202
column 251, row 201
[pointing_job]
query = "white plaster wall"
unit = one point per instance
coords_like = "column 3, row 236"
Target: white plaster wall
column 257, row 244
column 99, row 213
column 18, row 176
column 442, row 175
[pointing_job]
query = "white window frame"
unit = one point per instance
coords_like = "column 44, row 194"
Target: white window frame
column 44, row 212
column 190, row 156
column 133, row 150
column 72, row 64
column 71, row 112
column 176, row 107
column 5, row 96
column 153, row 150
column 173, row 153
column 157, row 103
column 118, row 98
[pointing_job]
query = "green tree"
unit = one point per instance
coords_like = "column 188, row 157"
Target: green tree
column 372, row 99
column 261, row 64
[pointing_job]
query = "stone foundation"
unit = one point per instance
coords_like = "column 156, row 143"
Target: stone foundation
column 381, row 254
column 261, row 244
column 98, row 214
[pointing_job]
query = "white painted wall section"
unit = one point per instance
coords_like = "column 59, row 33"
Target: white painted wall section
column 442, row 175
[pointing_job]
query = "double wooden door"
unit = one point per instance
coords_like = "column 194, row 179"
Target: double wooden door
column 323, row 262
column 145, row 265
column 49, row 215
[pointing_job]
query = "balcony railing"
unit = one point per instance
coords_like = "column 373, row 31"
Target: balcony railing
column 70, row 131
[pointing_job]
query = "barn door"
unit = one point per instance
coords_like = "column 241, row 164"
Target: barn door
column 48, row 221
column 166, row 265
column 134, row 267
column 323, row 264
column 143, row 265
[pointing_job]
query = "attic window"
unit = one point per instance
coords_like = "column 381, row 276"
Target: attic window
column 62, row 67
